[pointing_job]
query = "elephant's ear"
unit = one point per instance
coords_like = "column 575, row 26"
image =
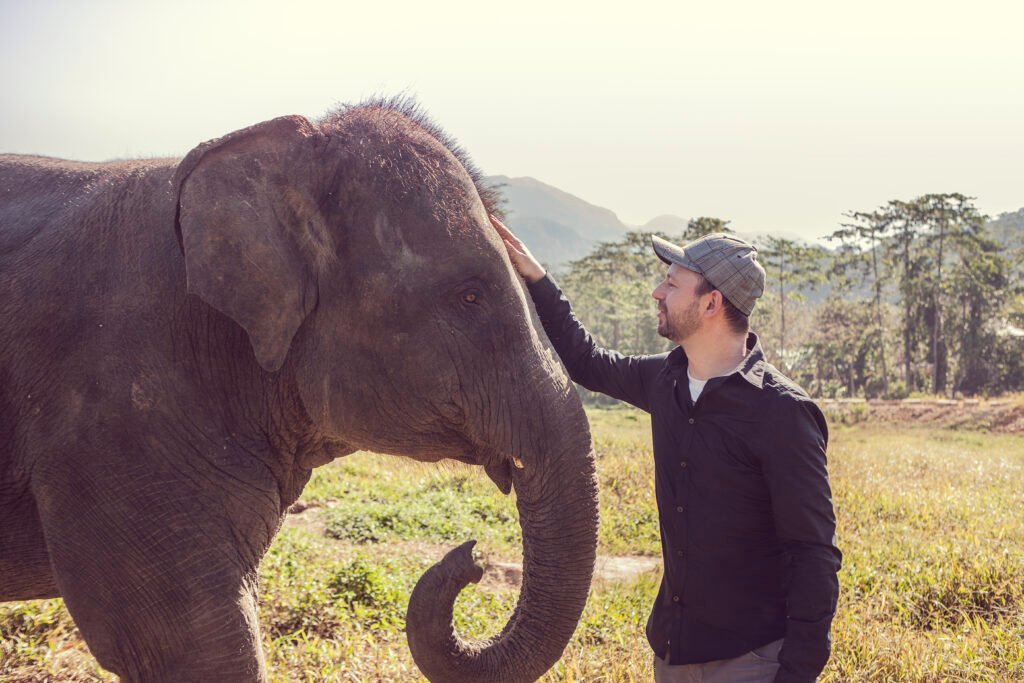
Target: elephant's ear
column 244, row 207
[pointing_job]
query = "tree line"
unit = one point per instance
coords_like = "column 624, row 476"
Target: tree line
column 913, row 297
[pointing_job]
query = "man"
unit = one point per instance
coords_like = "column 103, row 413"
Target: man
column 747, row 525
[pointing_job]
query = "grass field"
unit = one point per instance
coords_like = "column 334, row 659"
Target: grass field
column 930, row 523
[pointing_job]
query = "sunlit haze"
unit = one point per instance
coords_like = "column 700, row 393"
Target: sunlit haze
column 779, row 116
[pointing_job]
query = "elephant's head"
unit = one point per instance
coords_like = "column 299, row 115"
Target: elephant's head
column 357, row 255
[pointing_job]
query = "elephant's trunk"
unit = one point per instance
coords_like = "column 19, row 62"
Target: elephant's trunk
column 557, row 501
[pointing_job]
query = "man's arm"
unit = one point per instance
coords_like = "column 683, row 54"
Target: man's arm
column 622, row 377
column 806, row 525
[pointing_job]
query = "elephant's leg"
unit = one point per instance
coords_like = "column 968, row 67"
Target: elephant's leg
column 151, row 569
column 25, row 572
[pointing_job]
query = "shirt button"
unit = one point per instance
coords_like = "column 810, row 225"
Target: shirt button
column 679, row 553
column 675, row 598
column 679, row 508
column 682, row 464
column 691, row 420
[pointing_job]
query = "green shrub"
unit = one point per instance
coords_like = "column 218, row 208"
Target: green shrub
column 371, row 595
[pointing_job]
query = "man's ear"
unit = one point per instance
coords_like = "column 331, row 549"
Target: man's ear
column 244, row 206
column 715, row 301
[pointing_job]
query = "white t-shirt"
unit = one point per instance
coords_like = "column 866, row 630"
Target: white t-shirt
column 696, row 386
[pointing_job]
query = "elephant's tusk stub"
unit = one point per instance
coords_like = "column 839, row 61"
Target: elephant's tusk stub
column 518, row 463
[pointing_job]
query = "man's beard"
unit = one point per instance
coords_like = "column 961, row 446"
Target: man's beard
column 682, row 325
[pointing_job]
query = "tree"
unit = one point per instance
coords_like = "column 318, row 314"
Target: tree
column 860, row 239
column 904, row 258
column 789, row 263
column 611, row 291
column 841, row 346
column 703, row 225
column 950, row 220
column 979, row 284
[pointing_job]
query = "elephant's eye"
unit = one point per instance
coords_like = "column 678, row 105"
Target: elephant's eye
column 469, row 293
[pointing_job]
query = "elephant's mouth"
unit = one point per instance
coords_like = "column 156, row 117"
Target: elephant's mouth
column 501, row 474
column 498, row 466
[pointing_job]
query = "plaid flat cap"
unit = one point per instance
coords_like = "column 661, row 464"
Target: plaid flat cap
column 728, row 263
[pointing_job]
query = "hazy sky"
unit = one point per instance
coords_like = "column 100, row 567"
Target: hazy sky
column 777, row 115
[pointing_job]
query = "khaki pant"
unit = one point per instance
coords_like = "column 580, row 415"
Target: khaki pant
column 757, row 666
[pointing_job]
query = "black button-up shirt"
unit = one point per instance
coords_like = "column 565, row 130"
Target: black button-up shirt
column 747, row 525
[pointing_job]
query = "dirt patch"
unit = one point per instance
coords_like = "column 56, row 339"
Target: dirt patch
column 625, row 567
column 507, row 575
column 311, row 517
column 1002, row 416
column 608, row 568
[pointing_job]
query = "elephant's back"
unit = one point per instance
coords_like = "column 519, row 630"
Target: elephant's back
column 40, row 195
column 35, row 190
column 83, row 246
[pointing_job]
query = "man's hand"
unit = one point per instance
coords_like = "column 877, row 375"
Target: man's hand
column 522, row 260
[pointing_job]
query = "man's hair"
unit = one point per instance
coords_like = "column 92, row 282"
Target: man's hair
column 738, row 322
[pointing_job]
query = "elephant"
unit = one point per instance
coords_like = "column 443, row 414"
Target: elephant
column 184, row 340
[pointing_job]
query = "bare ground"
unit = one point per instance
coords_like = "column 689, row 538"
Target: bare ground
column 1004, row 416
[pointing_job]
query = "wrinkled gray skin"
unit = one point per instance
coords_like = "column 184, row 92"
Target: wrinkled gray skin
column 183, row 342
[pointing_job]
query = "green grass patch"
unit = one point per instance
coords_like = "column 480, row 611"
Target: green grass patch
column 449, row 509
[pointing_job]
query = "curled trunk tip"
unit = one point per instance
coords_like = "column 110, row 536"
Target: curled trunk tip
column 457, row 568
column 559, row 549
column 429, row 629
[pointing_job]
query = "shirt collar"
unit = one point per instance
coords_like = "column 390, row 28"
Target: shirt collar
column 751, row 368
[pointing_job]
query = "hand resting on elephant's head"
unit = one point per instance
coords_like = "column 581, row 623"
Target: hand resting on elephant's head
column 219, row 325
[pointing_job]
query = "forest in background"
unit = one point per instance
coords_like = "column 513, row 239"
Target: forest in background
column 915, row 297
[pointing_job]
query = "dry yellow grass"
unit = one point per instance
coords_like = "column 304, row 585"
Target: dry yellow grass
column 929, row 521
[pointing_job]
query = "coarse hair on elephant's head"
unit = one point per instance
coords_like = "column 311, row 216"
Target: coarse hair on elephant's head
column 356, row 253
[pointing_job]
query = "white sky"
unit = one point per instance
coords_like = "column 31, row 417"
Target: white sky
column 777, row 115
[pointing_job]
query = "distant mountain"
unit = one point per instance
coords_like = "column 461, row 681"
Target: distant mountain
column 560, row 227
column 666, row 223
column 673, row 226
column 557, row 226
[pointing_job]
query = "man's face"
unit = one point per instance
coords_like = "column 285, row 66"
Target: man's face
column 679, row 312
